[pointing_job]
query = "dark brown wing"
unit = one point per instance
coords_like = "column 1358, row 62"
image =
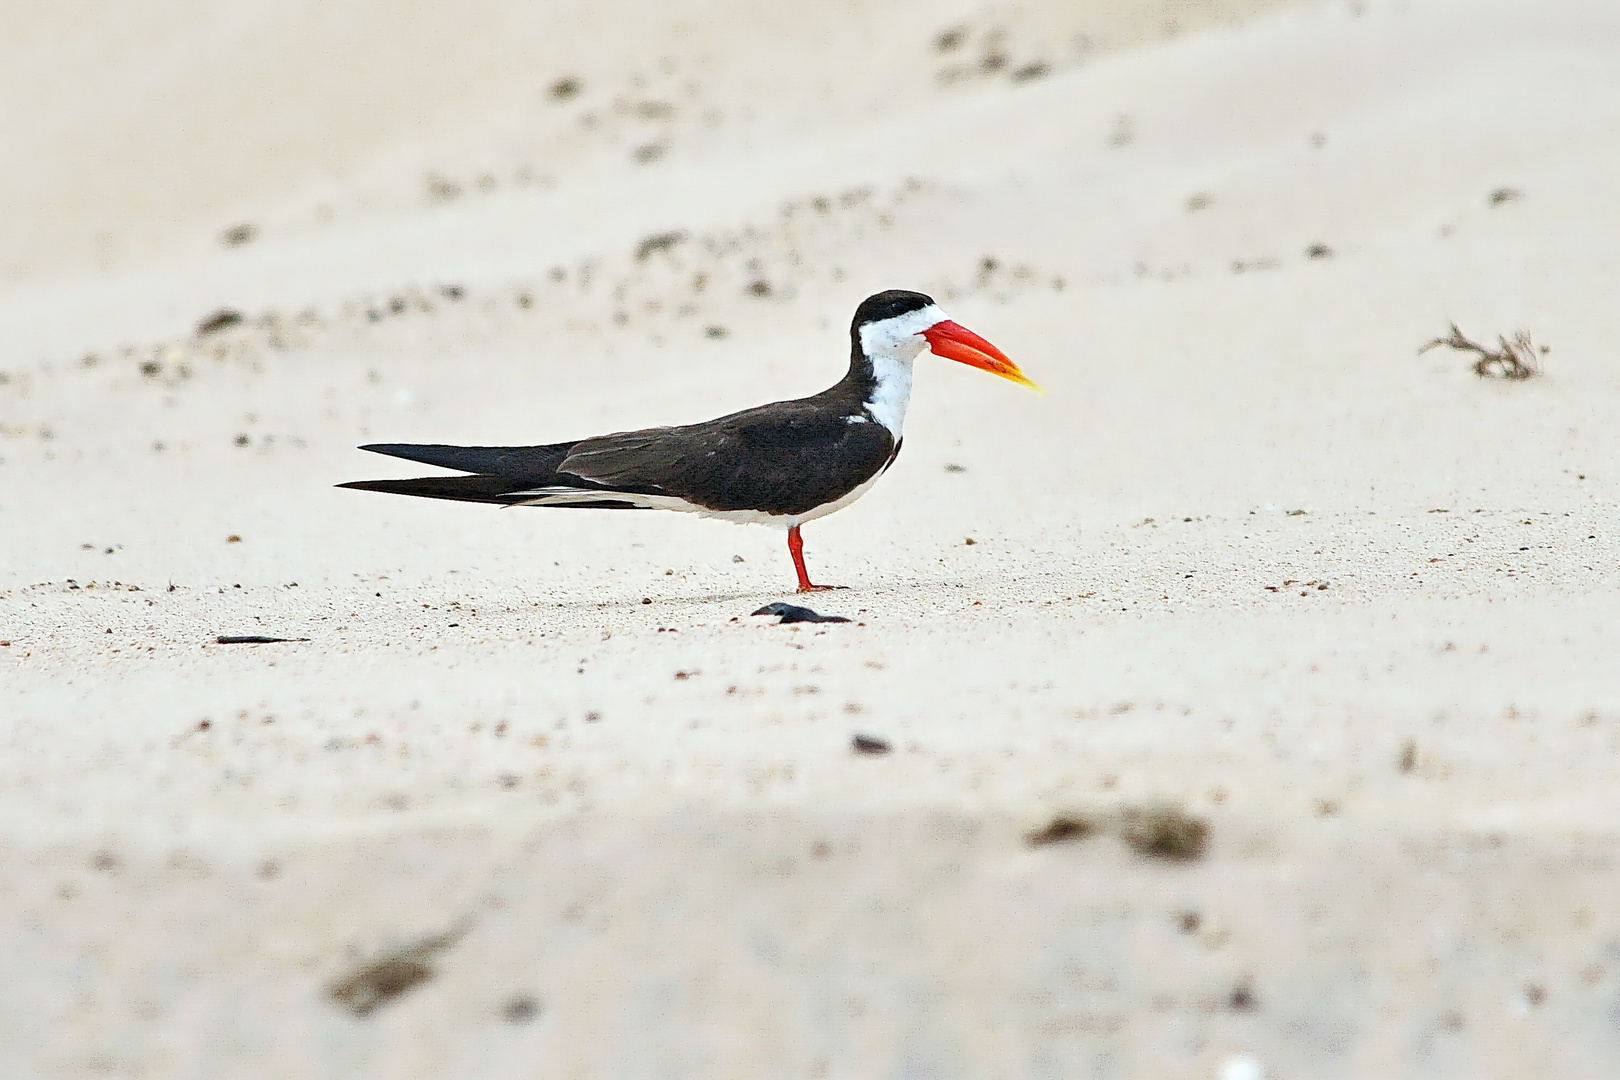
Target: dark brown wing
column 785, row 458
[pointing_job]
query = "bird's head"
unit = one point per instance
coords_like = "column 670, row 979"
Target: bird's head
column 898, row 324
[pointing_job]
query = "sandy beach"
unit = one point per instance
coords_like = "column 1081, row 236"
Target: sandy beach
column 1249, row 701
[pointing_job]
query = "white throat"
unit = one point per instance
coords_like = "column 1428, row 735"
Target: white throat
column 891, row 345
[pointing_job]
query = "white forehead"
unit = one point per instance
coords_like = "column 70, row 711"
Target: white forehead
column 885, row 334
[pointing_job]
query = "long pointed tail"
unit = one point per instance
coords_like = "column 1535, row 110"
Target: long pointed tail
column 499, row 490
column 528, row 464
column 489, row 489
column 504, row 475
column 502, row 470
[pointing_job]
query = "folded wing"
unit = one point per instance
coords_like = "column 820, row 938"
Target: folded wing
column 786, row 459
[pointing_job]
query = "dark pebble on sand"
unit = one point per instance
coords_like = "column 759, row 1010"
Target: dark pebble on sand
column 520, row 1009
column 223, row 319
column 1061, row 828
column 1164, row 832
column 793, row 613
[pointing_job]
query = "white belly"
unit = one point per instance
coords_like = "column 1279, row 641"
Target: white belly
column 563, row 496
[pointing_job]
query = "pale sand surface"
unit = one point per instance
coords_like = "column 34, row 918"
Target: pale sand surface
column 646, row 816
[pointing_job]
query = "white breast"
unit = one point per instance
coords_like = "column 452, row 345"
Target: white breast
column 891, row 394
column 891, row 345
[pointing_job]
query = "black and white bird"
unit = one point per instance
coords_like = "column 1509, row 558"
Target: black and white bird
column 781, row 464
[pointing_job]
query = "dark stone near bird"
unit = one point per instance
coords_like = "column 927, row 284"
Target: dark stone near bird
column 791, row 613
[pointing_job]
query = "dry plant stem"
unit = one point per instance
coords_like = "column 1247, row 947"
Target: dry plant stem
column 1515, row 360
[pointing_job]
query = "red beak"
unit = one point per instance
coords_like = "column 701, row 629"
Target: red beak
column 956, row 342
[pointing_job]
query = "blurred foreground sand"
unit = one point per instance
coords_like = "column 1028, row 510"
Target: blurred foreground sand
column 1251, row 556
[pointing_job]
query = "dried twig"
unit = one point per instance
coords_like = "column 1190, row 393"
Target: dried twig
column 1514, row 360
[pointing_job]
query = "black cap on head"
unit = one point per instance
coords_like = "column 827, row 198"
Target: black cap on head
column 888, row 304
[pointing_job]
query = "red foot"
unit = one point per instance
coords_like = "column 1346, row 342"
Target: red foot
column 796, row 549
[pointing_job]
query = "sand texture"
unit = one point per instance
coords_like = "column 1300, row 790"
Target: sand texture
column 1251, row 699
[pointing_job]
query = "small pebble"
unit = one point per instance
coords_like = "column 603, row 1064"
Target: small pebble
column 223, row 319
column 793, row 613
column 520, row 1009
column 1061, row 828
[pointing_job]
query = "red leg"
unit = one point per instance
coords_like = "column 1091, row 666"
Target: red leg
column 796, row 549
